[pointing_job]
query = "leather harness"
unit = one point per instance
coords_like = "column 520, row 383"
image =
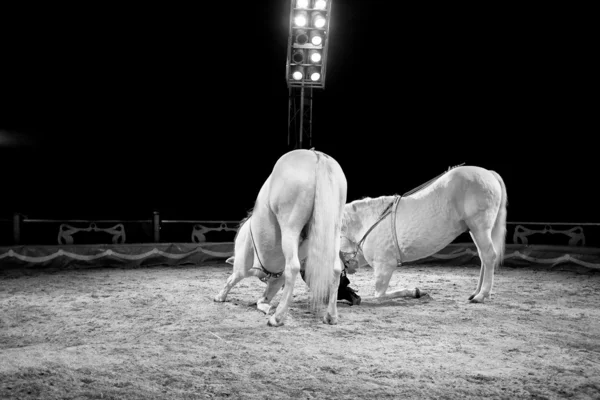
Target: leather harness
column 392, row 210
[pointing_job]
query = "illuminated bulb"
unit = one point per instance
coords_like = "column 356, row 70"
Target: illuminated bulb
column 297, row 75
column 300, row 20
column 315, row 57
column 319, row 21
column 320, row 4
column 314, row 74
column 316, row 40
column 302, row 3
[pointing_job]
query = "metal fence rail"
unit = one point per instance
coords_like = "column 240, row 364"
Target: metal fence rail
column 66, row 229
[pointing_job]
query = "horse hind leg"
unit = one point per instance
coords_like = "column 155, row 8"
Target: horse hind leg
column 264, row 303
column 488, row 255
column 232, row 280
column 289, row 245
column 479, row 282
column 331, row 317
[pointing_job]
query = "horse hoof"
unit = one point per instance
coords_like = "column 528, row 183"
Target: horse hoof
column 477, row 299
column 265, row 308
column 218, row 299
column 417, row 293
column 471, row 297
column 328, row 319
column 273, row 322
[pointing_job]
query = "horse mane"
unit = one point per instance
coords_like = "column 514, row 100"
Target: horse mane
column 248, row 215
column 372, row 207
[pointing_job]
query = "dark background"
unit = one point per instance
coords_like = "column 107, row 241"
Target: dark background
column 119, row 111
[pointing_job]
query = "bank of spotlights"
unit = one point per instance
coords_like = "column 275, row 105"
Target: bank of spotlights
column 308, row 42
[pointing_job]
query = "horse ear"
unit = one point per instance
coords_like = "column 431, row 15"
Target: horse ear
column 230, row 260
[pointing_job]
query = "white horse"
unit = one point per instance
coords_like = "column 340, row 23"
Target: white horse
column 421, row 224
column 297, row 216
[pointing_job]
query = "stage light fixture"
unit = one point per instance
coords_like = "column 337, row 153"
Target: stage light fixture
column 308, row 43
column 316, row 38
column 298, row 73
column 306, row 63
column 301, row 18
column 301, row 37
column 302, row 3
column 318, row 20
column 298, row 56
column 320, row 4
column 314, row 74
column 314, row 56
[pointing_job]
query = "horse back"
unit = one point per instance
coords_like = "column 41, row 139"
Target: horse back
column 473, row 189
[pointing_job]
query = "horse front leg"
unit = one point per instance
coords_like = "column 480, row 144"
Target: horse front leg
column 383, row 273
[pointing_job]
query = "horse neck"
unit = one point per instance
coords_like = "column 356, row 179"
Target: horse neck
column 360, row 215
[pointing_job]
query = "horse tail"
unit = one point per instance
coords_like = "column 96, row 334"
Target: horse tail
column 499, row 229
column 323, row 232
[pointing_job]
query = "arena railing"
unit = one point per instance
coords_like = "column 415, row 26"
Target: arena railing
column 521, row 230
column 68, row 227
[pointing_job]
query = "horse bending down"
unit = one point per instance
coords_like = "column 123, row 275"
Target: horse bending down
column 297, row 216
column 464, row 198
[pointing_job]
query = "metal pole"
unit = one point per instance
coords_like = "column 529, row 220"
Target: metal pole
column 156, row 226
column 289, row 113
column 301, row 115
column 310, row 116
column 17, row 228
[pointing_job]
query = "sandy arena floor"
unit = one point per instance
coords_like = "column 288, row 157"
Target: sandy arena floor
column 155, row 333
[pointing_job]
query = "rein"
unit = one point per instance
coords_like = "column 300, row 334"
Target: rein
column 392, row 210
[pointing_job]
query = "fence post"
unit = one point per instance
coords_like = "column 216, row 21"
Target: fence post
column 17, row 228
column 156, row 226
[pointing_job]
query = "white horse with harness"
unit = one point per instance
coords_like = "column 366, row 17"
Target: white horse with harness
column 297, row 216
column 426, row 220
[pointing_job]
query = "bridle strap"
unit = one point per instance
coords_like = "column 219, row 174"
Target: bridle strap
column 391, row 209
column 398, row 251
column 381, row 217
column 262, row 267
